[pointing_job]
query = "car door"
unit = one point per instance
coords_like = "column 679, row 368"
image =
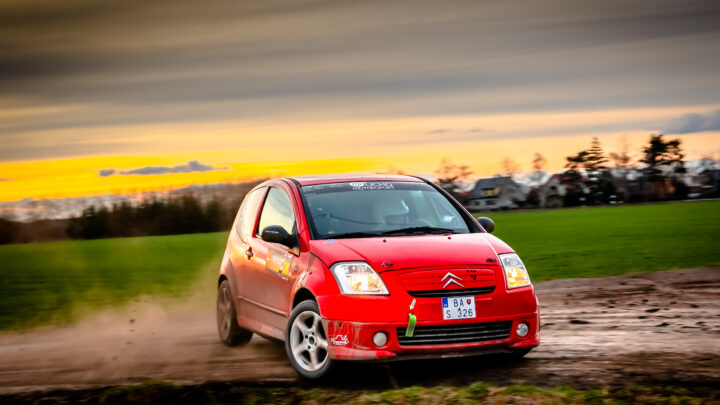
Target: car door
column 269, row 272
column 239, row 247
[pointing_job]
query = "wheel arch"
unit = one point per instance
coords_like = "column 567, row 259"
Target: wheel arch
column 303, row 294
column 227, row 273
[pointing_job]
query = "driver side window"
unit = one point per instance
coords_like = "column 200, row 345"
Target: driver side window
column 277, row 210
column 448, row 218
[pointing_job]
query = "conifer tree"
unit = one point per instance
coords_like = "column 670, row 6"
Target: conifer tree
column 595, row 159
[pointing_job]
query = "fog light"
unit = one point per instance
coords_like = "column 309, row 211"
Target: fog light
column 522, row 329
column 380, row 339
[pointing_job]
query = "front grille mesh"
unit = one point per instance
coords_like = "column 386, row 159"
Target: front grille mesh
column 451, row 334
column 452, row 293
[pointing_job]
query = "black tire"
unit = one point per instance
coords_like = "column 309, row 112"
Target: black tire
column 307, row 351
column 231, row 334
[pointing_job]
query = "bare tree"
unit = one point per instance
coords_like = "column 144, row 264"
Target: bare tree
column 622, row 160
column 538, row 165
column 510, row 166
column 538, row 162
column 622, row 157
column 393, row 170
column 449, row 174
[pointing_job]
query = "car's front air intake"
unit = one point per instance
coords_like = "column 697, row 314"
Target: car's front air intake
column 450, row 334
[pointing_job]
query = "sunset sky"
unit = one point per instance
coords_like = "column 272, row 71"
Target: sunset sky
column 101, row 97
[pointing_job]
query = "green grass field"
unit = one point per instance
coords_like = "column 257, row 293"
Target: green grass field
column 56, row 282
column 601, row 241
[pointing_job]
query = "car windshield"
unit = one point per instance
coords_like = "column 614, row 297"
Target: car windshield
column 375, row 208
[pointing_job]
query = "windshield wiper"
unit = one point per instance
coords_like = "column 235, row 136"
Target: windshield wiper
column 351, row 235
column 420, row 229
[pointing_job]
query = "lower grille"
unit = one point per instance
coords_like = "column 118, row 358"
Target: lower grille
column 450, row 334
column 452, row 293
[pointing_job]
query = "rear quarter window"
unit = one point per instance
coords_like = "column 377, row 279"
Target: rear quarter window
column 247, row 214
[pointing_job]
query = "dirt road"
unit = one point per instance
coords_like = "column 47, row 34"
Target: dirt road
column 656, row 328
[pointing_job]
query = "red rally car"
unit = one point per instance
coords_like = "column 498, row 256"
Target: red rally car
column 370, row 268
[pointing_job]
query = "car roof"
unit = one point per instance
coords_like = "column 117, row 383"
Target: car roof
column 341, row 178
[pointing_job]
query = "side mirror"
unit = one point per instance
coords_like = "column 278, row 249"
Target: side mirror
column 486, row 223
column 277, row 234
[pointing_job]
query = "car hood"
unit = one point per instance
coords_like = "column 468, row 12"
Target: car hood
column 413, row 251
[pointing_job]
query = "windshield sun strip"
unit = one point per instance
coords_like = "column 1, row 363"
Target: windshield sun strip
column 467, row 218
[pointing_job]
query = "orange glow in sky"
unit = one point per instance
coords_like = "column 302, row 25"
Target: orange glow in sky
column 330, row 147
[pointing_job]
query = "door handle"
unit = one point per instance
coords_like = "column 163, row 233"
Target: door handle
column 248, row 253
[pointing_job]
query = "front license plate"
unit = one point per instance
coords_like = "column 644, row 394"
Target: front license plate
column 458, row 307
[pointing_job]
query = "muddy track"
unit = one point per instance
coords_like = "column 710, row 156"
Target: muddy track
column 654, row 328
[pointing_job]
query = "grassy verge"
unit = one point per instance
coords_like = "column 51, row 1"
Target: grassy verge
column 55, row 282
column 152, row 392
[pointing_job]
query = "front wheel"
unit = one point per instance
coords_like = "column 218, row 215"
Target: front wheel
column 306, row 343
column 230, row 332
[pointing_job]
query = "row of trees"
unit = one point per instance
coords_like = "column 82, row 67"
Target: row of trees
column 593, row 177
column 185, row 214
column 205, row 208
column 587, row 178
column 176, row 215
column 590, row 180
column 658, row 152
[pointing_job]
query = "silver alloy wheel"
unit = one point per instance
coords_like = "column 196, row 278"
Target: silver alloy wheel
column 224, row 312
column 308, row 342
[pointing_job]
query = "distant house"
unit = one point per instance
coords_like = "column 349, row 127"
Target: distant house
column 552, row 193
column 710, row 180
column 496, row 193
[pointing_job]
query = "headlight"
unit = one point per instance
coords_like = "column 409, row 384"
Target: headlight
column 514, row 269
column 358, row 278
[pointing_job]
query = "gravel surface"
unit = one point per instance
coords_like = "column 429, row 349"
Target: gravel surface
column 650, row 328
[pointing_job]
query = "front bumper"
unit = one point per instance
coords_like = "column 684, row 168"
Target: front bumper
column 354, row 340
column 351, row 321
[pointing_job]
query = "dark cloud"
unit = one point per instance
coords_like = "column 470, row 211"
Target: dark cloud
column 12, row 150
column 192, row 166
column 690, row 123
column 438, row 131
column 126, row 47
column 133, row 62
column 2, row 179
